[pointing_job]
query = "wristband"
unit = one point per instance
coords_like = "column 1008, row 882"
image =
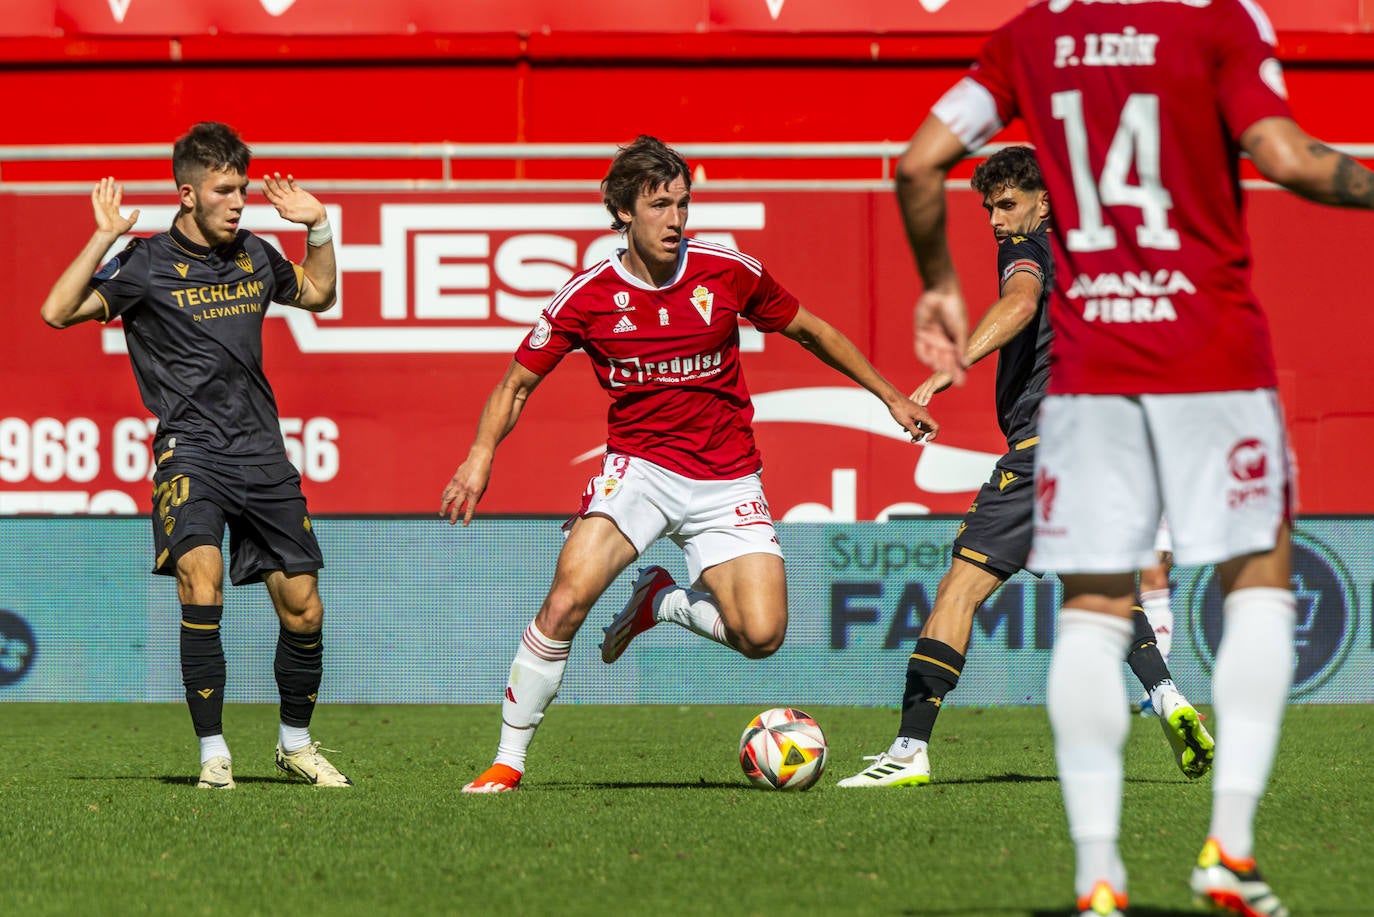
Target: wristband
column 320, row 234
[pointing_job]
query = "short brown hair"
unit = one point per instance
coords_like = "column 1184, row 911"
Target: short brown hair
column 211, row 146
column 647, row 163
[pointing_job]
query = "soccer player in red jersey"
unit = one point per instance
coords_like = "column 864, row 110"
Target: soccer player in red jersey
column 659, row 321
column 1162, row 394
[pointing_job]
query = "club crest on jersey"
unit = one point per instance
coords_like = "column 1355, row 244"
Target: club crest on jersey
column 243, row 261
column 182, row 267
column 703, row 299
column 622, row 302
column 610, row 486
column 662, row 316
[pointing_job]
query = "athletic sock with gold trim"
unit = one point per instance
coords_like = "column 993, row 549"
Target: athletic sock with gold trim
column 299, row 667
column 202, row 667
column 931, row 673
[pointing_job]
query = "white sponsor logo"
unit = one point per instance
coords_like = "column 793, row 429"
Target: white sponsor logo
column 1130, row 297
column 456, row 278
column 624, row 326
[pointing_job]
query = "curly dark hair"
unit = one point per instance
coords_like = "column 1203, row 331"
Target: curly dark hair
column 209, row 146
column 1011, row 167
column 648, row 163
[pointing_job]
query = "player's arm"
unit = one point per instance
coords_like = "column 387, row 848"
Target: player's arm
column 319, row 272
column 941, row 316
column 499, row 416
column 1000, row 324
column 835, row 350
column 1287, row 155
column 71, row 300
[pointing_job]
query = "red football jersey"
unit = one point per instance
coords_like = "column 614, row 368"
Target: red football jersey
column 668, row 356
column 1135, row 108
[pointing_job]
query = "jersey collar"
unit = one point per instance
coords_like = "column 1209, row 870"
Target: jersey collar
column 184, row 242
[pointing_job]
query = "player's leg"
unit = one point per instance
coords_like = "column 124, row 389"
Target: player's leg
column 715, row 523
column 272, row 539
column 1228, row 502
column 933, row 670
column 594, row 554
column 188, row 528
column 991, row 545
column 299, row 669
column 1097, row 509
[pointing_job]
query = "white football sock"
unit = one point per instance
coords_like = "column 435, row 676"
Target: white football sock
column 214, row 746
column 292, row 738
column 535, row 676
column 1254, row 670
column 696, row 611
column 1161, row 617
column 1086, row 696
column 905, row 747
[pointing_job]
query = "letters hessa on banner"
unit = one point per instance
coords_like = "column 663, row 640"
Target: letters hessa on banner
column 466, row 277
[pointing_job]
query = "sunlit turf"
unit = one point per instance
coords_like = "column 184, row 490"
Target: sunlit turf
column 627, row 810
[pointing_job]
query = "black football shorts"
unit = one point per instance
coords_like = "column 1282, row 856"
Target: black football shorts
column 262, row 505
column 996, row 532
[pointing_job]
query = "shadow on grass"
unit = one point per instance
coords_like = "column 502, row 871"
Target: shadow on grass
column 181, row 779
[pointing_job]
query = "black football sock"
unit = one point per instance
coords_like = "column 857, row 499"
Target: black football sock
column 202, row 667
column 931, row 673
column 299, row 667
column 1144, row 658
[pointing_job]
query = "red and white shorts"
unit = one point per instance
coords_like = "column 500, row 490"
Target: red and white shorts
column 1216, row 463
column 711, row 521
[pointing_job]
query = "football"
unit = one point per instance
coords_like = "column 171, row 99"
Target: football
column 782, row 749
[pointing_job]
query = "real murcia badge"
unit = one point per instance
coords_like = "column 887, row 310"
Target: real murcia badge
column 703, row 299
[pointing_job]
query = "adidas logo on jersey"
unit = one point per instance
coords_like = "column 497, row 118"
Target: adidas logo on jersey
column 624, row 325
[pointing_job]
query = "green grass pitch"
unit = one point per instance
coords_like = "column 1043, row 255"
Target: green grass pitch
column 628, row 810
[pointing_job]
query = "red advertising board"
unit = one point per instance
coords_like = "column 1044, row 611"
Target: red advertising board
column 379, row 397
column 409, row 17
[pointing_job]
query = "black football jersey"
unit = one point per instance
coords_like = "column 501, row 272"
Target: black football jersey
column 1023, row 363
column 193, row 321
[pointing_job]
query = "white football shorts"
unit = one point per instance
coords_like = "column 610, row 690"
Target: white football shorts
column 711, row 521
column 1108, row 466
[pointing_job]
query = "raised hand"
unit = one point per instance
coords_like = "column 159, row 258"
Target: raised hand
column 293, row 203
column 105, row 200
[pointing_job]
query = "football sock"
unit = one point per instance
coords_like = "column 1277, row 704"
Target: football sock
column 1254, row 670
column 535, row 676
column 1144, row 658
column 696, row 611
column 1086, row 696
column 299, row 666
column 202, row 667
column 905, row 747
column 292, row 738
column 214, row 746
column 1155, row 604
column 931, row 673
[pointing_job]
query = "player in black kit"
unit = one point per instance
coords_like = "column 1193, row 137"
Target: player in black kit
column 193, row 300
column 994, row 538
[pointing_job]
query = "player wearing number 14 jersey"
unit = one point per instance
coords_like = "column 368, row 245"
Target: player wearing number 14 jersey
column 1162, row 382
column 660, row 322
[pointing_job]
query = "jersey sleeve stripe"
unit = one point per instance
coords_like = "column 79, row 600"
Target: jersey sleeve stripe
column 573, row 285
column 1261, row 20
column 722, row 251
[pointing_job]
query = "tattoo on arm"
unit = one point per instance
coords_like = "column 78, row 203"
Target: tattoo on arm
column 1353, row 184
column 1320, row 150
